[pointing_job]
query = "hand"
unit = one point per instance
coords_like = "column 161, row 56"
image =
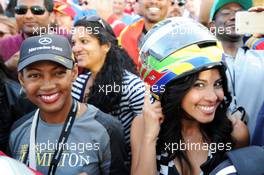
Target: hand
column 240, row 133
column 257, row 9
column 153, row 117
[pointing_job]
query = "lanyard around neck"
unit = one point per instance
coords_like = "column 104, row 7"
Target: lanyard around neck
column 232, row 79
column 62, row 139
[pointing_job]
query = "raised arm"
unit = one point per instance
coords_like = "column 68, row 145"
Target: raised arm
column 144, row 133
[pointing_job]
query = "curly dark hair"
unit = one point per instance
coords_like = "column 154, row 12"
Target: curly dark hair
column 217, row 131
column 116, row 63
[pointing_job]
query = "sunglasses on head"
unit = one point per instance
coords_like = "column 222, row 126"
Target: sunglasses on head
column 94, row 18
column 36, row 10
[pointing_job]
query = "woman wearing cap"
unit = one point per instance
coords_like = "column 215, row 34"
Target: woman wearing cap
column 62, row 136
column 187, row 131
column 110, row 82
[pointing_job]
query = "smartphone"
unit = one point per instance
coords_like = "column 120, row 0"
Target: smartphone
column 249, row 22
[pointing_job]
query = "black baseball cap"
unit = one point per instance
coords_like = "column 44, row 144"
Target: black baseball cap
column 54, row 48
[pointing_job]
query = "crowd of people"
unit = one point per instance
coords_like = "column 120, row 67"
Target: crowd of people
column 140, row 87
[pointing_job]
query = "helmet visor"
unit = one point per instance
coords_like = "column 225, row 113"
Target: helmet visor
column 173, row 37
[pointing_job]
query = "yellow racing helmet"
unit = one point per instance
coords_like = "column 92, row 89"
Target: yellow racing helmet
column 174, row 48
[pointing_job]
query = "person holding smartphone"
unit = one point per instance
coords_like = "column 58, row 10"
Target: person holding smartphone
column 244, row 61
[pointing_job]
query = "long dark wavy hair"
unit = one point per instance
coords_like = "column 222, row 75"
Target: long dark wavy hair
column 112, row 71
column 217, row 131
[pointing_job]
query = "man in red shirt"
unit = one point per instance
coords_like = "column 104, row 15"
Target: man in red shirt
column 153, row 12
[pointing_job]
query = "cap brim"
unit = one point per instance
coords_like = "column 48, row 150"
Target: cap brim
column 66, row 62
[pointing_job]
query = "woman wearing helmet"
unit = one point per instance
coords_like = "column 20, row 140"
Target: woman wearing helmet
column 187, row 132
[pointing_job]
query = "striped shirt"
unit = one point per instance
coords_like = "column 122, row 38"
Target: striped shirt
column 169, row 168
column 225, row 168
column 131, row 102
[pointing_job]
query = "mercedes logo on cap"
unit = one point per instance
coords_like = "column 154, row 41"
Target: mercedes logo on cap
column 45, row 41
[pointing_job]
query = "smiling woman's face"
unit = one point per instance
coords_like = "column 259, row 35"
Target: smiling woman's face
column 89, row 53
column 48, row 85
column 201, row 102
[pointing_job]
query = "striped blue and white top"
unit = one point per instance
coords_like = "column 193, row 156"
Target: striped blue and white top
column 131, row 103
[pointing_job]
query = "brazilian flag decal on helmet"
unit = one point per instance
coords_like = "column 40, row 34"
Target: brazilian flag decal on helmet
column 177, row 47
